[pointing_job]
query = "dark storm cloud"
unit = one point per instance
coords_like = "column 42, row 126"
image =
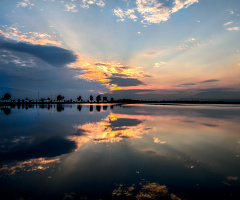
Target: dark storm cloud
column 209, row 81
column 52, row 55
column 126, row 81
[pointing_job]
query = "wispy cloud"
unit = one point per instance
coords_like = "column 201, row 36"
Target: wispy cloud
column 228, row 23
column 129, row 13
column 159, row 64
column 188, row 84
column 120, row 14
column 189, row 43
column 152, row 53
column 236, row 28
column 209, row 81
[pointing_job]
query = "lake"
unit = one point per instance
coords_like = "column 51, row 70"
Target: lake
column 103, row 151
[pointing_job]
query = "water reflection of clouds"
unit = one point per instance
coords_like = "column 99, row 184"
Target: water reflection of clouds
column 28, row 165
column 111, row 129
column 51, row 147
column 145, row 190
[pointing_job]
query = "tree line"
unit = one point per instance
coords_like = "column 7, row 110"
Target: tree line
column 59, row 98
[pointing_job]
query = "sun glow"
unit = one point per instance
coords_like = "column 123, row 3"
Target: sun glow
column 104, row 72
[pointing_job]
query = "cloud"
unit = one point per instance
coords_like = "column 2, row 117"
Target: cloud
column 236, row 28
column 119, row 13
column 109, row 73
column 129, row 13
column 217, row 93
column 186, row 84
column 209, row 81
column 71, row 8
column 228, row 23
column 86, row 3
column 25, row 3
column 159, row 64
column 153, row 11
column 156, row 140
column 152, row 53
column 180, row 4
column 125, row 81
column 189, row 43
column 52, row 55
column 31, row 37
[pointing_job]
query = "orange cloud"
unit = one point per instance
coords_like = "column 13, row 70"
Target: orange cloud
column 104, row 71
column 31, row 37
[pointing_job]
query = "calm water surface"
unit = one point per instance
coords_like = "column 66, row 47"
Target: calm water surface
column 120, row 152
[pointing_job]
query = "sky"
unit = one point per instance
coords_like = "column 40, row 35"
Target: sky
column 138, row 49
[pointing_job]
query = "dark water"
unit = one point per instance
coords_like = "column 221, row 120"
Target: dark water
column 120, row 152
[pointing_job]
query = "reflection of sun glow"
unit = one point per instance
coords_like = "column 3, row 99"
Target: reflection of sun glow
column 104, row 71
column 29, row 165
column 104, row 132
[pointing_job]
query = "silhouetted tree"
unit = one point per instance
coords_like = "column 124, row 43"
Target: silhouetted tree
column 60, row 97
column 42, row 100
column 111, row 100
column 91, row 98
column 48, row 99
column 79, row 98
column 7, row 96
column 104, row 98
column 98, row 98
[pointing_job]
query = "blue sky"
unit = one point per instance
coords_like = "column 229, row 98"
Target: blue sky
column 146, row 49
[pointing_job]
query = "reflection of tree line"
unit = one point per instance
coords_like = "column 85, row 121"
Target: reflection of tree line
column 59, row 107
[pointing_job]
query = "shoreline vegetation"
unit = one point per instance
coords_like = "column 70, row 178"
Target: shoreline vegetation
column 7, row 100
